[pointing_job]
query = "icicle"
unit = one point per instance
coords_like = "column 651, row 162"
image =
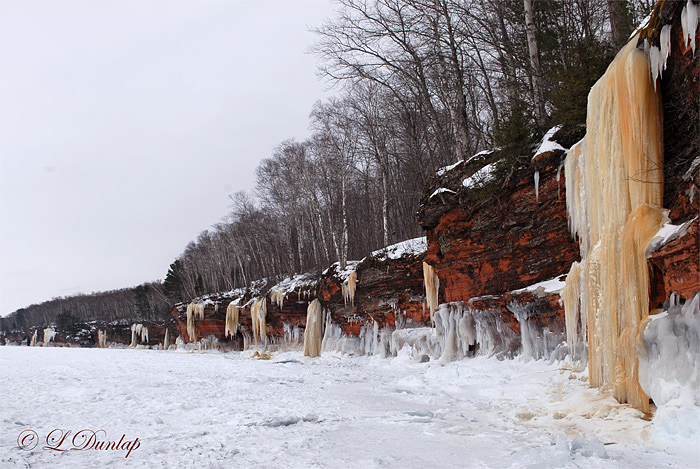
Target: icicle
column 349, row 288
column 432, row 285
column 690, row 17
column 166, row 339
column 101, row 338
column 536, row 340
column 665, row 44
column 292, row 337
column 462, row 331
column 614, row 187
column 258, row 313
column 537, row 186
column 194, row 311
column 34, row 338
column 138, row 331
column 575, row 336
column 658, row 57
column 232, row 312
column 277, row 297
column 133, row 336
column 559, row 178
column 49, row 335
column 313, row 333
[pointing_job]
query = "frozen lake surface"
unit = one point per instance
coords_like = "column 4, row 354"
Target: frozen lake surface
column 229, row 410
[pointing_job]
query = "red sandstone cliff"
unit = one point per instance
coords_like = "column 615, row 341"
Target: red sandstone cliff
column 387, row 287
column 485, row 243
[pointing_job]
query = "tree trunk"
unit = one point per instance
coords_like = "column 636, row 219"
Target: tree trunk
column 535, row 65
column 385, row 207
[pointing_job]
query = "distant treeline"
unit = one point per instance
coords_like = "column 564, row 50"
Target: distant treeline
column 145, row 302
column 421, row 84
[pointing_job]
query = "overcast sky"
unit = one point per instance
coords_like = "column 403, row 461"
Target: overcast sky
column 125, row 125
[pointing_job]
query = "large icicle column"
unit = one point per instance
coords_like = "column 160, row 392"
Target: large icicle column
column 614, row 189
column 232, row 312
column 138, row 331
column 348, row 288
column 194, row 311
column 432, row 286
column 49, row 335
column 313, row 334
column 102, row 338
column 258, row 314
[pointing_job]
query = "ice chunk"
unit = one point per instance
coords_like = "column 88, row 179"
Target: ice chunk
column 669, row 354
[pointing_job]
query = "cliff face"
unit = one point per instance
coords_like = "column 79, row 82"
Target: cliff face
column 505, row 243
column 387, row 290
column 281, row 319
column 486, row 244
column 675, row 264
column 388, row 287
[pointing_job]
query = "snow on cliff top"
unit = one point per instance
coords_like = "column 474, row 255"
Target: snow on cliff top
column 548, row 145
column 410, row 247
column 343, row 274
column 296, row 282
column 554, row 285
column 481, row 177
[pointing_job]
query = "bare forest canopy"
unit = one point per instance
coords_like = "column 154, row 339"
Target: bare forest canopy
column 421, row 84
column 145, row 302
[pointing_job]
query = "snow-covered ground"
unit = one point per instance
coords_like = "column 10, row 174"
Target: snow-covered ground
column 229, row 410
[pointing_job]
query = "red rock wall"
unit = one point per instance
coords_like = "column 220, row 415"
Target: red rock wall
column 675, row 267
column 385, row 289
column 508, row 242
